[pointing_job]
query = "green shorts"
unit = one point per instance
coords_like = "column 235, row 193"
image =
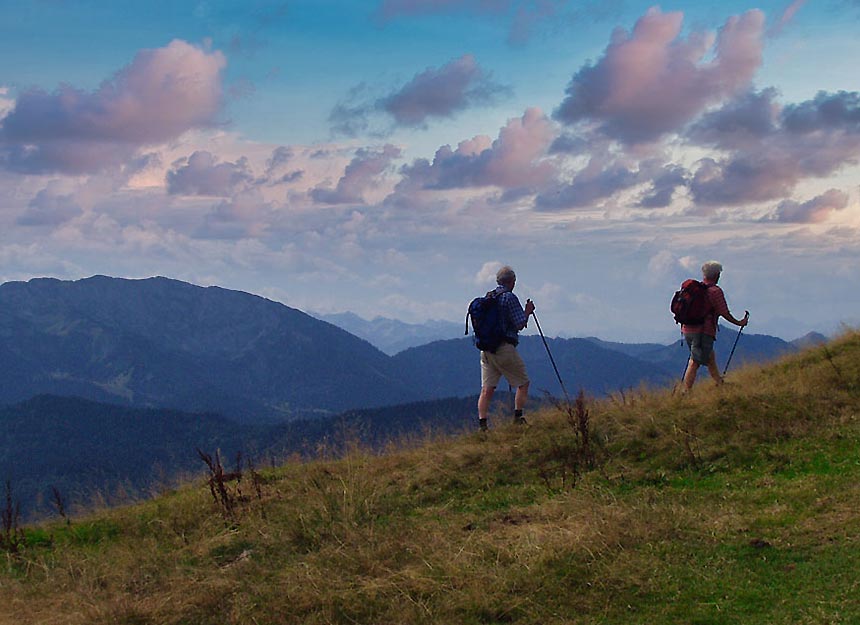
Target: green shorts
column 701, row 347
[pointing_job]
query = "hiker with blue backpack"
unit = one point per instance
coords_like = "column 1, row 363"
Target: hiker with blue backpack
column 697, row 307
column 497, row 319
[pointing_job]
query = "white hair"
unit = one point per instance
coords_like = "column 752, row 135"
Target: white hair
column 711, row 269
column 505, row 275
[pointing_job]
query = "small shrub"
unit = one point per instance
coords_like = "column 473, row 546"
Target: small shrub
column 12, row 537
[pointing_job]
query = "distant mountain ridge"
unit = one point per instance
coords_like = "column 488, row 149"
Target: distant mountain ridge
column 159, row 342
column 750, row 348
column 391, row 335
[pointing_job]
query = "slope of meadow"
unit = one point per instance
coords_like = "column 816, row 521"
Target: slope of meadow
column 731, row 505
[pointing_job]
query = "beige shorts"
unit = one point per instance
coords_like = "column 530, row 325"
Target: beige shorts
column 505, row 362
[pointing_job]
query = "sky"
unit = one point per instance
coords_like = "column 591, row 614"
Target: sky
column 386, row 157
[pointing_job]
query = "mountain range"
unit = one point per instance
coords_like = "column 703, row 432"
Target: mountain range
column 163, row 343
column 392, row 335
column 112, row 383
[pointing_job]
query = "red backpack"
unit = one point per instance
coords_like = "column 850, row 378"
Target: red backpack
column 690, row 304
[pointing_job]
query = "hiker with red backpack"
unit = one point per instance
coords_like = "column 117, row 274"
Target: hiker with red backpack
column 698, row 307
column 497, row 319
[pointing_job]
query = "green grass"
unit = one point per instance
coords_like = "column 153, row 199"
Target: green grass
column 732, row 505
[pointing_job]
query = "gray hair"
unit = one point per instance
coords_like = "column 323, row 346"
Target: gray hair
column 711, row 269
column 505, row 274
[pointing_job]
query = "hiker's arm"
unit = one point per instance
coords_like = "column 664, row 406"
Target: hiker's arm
column 738, row 322
column 527, row 312
column 719, row 302
column 518, row 317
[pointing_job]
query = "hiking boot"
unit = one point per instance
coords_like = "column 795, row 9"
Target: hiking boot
column 482, row 424
column 518, row 418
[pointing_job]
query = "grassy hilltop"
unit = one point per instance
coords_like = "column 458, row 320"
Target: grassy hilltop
column 740, row 505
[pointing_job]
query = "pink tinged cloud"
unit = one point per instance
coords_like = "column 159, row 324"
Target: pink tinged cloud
column 360, row 175
column 49, row 208
column 281, row 155
column 786, row 18
column 245, row 215
column 770, row 149
column 514, row 159
column 160, row 95
column 202, row 174
column 599, row 180
column 652, row 82
column 435, row 93
column 814, row 211
column 441, row 92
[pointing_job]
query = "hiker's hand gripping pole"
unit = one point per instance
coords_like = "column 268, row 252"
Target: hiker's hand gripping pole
column 529, row 310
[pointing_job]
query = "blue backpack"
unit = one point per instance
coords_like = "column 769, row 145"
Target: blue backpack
column 486, row 315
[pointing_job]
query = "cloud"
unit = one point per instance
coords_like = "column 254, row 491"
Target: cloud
column 742, row 179
column 161, row 94
column 487, row 273
column 786, row 18
column 740, row 123
column 813, row 211
column 245, row 215
column 360, row 175
column 599, row 180
column 6, row 103
column 202, row 174
column 514, row 159
column 665, row 267
column 770, row 149
column 351, row 116
column 652, row 82
column 663, row 187
column 826, row 111
column 435, row 93
column 49, row 208
column 289, row 177
column 280, row 156
column 441, row 92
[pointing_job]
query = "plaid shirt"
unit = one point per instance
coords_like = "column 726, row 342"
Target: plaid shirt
column 514, row 318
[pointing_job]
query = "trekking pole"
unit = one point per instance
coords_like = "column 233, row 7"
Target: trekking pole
column 551, row 359
column 686, row 366
column 736, row 344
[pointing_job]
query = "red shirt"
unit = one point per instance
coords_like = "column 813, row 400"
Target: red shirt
column 719, row 308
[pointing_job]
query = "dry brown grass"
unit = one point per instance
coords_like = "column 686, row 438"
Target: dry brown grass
column 486, row 529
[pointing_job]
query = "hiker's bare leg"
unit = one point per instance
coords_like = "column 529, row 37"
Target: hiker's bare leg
column 690, row 375
column 714, row 369
column 521, row 396
column 484, row 400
